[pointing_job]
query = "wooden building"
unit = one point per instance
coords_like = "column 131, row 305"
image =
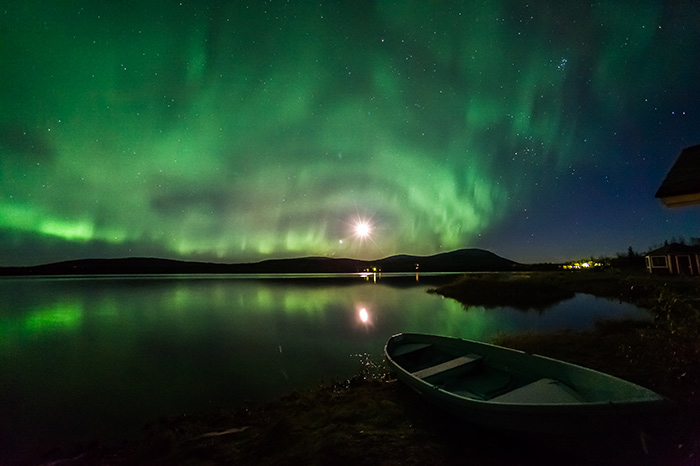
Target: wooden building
column 681, row 187
column 674, row 258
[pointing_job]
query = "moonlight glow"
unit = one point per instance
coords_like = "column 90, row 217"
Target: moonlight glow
column 363, row 229
column 239, row 131
column 364, row 316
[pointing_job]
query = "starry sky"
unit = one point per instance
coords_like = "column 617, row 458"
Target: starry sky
column 242, row 131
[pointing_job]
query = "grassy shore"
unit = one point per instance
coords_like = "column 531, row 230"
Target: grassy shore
column 372, row 419
column 663, row 354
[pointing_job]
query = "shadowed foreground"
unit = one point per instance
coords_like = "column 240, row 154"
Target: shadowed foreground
column 362, row 422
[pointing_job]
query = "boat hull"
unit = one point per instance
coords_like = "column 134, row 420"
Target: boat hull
column 584, row 401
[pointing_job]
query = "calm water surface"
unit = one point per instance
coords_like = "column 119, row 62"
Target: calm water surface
column 84, row 358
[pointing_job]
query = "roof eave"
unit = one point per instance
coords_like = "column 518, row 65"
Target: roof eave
column 681, row 200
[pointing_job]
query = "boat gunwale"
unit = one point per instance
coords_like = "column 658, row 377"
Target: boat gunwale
column 650, row 397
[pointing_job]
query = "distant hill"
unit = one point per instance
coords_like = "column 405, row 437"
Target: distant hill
column 463, row 260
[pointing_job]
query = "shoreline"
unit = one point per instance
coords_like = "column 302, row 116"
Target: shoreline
column 662, row 354
column 372, row 419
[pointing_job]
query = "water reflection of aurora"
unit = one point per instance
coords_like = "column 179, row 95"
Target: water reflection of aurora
column 70, row 347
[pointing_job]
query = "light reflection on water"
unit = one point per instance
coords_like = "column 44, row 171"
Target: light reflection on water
column 86, row 357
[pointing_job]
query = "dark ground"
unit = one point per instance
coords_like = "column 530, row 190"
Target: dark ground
column 374, row 420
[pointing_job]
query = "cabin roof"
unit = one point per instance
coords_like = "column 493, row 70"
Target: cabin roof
column 674, row 248
column 682, row 183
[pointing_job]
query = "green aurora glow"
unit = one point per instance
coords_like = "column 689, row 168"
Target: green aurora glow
column 245, row 130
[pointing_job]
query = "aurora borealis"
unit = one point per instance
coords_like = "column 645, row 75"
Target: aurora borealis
column 241, row 131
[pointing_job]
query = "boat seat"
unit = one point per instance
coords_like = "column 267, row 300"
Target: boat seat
column 461, row 362
column 542, row 391
column 410, row 348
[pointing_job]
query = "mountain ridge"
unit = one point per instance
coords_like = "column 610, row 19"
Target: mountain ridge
column 460, row 260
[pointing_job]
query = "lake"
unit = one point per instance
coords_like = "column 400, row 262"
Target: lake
column 99, row 357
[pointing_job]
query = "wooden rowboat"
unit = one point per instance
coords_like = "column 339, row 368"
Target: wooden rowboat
column 509, row 389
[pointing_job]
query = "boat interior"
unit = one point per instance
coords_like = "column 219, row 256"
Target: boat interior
column 476, row 377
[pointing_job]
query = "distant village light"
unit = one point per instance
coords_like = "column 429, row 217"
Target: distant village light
column 581, row 265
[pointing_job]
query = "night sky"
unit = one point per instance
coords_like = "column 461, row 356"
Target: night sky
column 242, row 131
